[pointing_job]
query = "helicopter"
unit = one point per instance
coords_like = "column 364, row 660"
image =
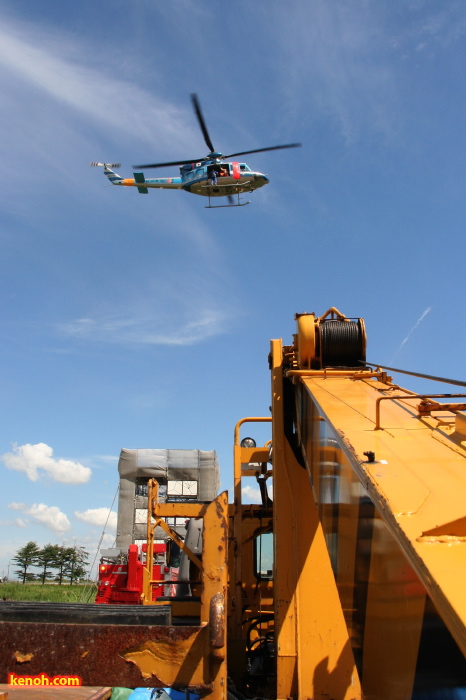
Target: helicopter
column 210, row 176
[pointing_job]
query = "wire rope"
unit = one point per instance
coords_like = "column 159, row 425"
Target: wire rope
column 84, row 591
column 341, row 343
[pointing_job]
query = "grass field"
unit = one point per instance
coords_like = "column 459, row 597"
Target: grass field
column 83, row 593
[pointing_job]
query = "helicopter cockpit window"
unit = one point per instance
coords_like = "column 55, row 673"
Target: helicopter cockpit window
column 245, row 167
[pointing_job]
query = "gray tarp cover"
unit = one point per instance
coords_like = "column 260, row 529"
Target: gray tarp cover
column 173, row 465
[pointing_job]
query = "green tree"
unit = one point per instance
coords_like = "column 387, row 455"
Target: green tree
column 76, row 564
column 71, row 562
column 47, row 560
column 25, row 558
column 61, row 562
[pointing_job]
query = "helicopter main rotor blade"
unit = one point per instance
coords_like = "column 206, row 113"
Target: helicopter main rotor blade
column 173, row 162
column 200, row 118
column 260, row 150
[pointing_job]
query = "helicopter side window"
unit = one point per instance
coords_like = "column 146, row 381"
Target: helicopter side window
column 222, row 170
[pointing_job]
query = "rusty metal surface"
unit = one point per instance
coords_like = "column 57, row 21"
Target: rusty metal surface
column 94, row 652
column 177, row 664
column 217, row 621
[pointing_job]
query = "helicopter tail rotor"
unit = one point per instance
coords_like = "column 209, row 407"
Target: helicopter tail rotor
column 94, row 164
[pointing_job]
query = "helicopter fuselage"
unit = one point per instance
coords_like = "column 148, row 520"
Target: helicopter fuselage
column 208, row 179
column 211, row 176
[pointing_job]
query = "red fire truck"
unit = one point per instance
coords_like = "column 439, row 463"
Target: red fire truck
column 120, row 576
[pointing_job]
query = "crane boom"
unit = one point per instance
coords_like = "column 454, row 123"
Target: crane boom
column 345, row 582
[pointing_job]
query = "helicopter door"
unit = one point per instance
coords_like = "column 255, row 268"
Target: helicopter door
column 236, row 171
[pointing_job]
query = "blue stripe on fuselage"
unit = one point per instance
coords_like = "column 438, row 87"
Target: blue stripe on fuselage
column 164, row 181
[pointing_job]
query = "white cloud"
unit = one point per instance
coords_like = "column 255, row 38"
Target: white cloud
column 17, row 506
column 147, row 330
column 108, row 540
column 34, row 459
column 49, row 516
column 167, row 315
column 19, row 522
column 54, row 64
column 83, row 110
column 98, row 516
column 253, row 495
column 250, row 494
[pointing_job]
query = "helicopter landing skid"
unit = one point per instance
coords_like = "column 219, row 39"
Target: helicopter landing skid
column 224, row 206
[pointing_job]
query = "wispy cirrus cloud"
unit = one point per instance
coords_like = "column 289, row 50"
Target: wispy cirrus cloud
column 172, row 312
column 346, row 61
column 146, row 330
column 416, row 325
column 56, row 65
column 78, row 110
column 337, row 66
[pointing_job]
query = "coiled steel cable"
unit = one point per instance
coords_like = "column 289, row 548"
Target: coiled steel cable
column 342, row 344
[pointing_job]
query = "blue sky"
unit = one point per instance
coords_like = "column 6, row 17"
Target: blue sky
column 144, row 321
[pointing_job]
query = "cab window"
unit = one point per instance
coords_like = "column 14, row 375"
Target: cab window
column 263, row 556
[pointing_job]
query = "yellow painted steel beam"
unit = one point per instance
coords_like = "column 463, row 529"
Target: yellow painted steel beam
column 177, row 539
column 193, row 656
column 313, row 650
column 181, row 510
column 214, row 596
column 242, row 456
column 417, row 481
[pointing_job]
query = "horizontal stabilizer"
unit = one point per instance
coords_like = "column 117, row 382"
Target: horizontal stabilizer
column 143, row 190
column 139, row 177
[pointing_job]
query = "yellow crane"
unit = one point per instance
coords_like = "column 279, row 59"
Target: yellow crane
column 345, row 582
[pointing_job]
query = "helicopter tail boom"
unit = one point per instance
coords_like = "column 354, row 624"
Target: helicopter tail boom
column 114, row 178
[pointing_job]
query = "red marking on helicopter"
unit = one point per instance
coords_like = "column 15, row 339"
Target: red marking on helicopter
column 236, row 171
